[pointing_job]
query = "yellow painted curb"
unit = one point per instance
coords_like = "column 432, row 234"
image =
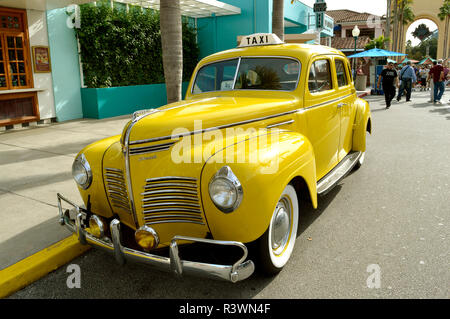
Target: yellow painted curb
column 32, row 268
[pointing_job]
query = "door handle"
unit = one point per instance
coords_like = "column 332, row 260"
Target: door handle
column 342, row 104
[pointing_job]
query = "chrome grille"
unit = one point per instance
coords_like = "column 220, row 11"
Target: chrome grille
column 171, row 199
column 116, row 188
column 150, row 149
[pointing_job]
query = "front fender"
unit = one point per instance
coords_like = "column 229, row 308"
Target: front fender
column 362, row 124
column 281, row 156
column 95, row 195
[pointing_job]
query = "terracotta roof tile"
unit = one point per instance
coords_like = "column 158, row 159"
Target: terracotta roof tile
column 347, row 43
column 341, row 16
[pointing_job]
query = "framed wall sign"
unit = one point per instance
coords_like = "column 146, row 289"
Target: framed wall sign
column 41, row 59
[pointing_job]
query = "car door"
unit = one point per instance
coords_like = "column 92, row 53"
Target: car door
column 322, row 114
column 345, row 105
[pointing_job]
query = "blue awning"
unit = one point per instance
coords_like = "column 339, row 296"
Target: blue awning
column 373, row 53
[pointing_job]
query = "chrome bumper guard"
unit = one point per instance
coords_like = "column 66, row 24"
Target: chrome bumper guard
column 239, row 271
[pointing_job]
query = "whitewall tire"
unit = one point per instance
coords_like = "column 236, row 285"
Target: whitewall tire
column 277, row 243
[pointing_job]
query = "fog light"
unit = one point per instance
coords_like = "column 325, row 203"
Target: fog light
column 147, row 238
column 96, row 226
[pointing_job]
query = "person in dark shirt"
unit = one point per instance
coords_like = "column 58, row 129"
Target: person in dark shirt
column 438, row 77
column 388, row 76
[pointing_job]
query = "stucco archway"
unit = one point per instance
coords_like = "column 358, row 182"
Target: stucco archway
column 429, row 10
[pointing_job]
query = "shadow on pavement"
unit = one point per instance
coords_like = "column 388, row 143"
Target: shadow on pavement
column 35, row 181
column 29, row 153
column 31, row 241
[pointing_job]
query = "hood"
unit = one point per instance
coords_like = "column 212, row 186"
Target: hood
column 192, row 115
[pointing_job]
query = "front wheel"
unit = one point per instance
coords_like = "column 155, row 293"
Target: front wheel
column 277, row 243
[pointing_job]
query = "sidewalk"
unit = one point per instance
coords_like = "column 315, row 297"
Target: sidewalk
column 35, row 164
column 362, row 94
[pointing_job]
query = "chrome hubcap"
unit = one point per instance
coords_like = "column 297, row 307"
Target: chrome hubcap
column 281, row 225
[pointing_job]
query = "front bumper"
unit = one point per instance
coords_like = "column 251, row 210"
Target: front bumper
column 238, row 271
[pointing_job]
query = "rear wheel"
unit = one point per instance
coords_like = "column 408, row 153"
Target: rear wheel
column 277, row 243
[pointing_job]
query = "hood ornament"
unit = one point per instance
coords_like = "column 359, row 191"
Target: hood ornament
column 141, row 113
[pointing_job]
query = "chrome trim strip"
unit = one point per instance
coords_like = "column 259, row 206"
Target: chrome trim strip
column 235, row 74
column 114, row 175
column 150, row 149
column 115, row 187
column 168, row 210
column 165, row 191
column 126, row 152
column 175, row 221
column 113, row 170
column 156, row 185
column 279, row 124
column 159, row 198
column 183, row 217
column 171, row 209
column 171, row 204
column 325, row 103
column 171, row 178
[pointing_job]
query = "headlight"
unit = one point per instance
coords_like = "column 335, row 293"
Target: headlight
column 81, row 172
column 225, row 190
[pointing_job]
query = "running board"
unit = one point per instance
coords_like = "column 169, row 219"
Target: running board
column 339, row 172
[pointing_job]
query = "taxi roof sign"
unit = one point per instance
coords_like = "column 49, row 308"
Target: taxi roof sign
column 259, row 39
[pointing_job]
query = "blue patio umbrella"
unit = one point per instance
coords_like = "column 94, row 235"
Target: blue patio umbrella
column 376, row 53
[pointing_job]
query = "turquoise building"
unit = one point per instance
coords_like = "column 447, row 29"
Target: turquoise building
column 217, row 33
column 48, row 83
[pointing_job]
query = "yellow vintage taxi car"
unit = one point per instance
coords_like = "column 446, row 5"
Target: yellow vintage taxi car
column 262, row 126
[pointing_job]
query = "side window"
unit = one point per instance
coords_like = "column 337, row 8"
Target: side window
column 340, row 73
column 320, row 77
column 350, row 72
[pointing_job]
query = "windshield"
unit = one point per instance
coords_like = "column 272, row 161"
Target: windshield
column 254, row 74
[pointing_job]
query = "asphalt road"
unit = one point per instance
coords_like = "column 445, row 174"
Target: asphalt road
column 392, row 213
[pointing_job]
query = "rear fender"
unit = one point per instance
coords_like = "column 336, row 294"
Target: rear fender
column 363, row 124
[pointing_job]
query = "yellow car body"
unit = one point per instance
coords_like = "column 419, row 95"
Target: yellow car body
column 306, row 135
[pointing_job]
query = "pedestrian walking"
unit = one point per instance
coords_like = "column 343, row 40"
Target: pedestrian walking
column 431, row 83
column 407, row 77
column 423, row 74
column 437, row 72
column 388, row 76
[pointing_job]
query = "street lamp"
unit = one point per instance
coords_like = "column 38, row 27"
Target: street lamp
column 355, row 33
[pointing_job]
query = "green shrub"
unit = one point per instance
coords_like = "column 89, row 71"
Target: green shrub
column 120, row 48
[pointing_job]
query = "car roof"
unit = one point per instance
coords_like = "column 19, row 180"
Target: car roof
column 297, row 50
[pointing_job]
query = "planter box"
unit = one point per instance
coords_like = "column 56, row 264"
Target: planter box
column 109, row 102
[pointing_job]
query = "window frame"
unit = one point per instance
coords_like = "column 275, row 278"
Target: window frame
column 345, row 69
column 15, row 33
column 237, row 72
column 321, row 58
